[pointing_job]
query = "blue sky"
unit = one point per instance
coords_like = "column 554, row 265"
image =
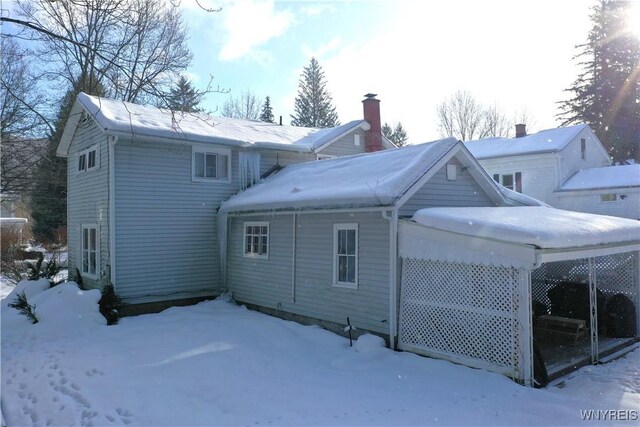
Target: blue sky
column 413, row 54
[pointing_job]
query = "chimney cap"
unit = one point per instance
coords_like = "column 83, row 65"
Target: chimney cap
column 371, row 95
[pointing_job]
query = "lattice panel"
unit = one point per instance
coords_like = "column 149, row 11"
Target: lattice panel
column 550, row 274
column 615, row 274
column 461, row 309
column 618, row 274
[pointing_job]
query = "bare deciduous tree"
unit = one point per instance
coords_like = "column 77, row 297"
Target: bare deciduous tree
column 134, row 48
column 21, row 125
column 463, row 117
column 247, row 106
column 460, row 116
column 495, row 123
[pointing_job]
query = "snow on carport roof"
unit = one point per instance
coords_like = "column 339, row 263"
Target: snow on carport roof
column 373, row 179
column 543, row 227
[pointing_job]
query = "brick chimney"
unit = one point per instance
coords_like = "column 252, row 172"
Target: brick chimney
column 372, row 137
column 521, row 130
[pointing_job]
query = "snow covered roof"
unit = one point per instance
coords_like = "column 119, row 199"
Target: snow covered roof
column 545, row 141
column 542, row 227
column 127, row 119
column 364, row 180
column 605, row 177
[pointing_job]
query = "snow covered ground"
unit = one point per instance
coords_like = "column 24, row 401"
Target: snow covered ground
column 216, row 363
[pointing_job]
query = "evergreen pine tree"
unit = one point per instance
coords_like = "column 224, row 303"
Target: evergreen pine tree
column 48, row 194
column 397, row 135
column 605, row 95
column 313, row 105
column 387, row 131
column 184, row 97
column 267, row 112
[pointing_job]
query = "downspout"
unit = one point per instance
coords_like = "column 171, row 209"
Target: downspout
column 112, row 140
column 222, row 224
column 393, row 274
column 293, row 259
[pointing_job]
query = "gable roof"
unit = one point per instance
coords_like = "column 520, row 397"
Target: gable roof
column 606, row 177
column 545, row 141
column 127, row 120
column 363, row 180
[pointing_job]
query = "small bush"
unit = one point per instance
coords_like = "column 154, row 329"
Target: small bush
column 110, row 303
column 10, row 249
column 78, row 279
column 23, row 306
column 42, row 269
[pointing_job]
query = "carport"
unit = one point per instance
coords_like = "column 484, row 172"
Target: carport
column 518, row 289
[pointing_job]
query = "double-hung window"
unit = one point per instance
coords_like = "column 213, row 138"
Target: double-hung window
column 512, row 181
column 256, row 239
column 89, row 261
column 211, row 164
column 345, row 255
column 88, row 159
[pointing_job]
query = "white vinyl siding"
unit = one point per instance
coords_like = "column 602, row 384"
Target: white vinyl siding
column 304, row 285
column 256, row 239
column 88, row 201
column 211, row 165
column 89, row 247
column 345, row 255
column 348, row 145
column 166, row 224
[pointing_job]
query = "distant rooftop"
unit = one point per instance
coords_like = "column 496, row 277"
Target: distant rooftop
column 545, row 141
column 605, row 177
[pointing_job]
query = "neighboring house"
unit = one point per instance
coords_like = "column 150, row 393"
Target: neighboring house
column 145, row 184
column 543, row 164
column 14, row 216
column 611, row 190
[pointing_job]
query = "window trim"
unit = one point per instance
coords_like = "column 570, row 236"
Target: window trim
column 452, row 172
column 210, row 150
column 244, row 239
column 86, row 153
column 336, row 229
column 83, row 227
column 515, row 176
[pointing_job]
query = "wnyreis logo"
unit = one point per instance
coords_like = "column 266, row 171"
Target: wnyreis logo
column 609, row 415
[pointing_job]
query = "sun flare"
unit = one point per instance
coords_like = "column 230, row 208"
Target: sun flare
column 633, row 18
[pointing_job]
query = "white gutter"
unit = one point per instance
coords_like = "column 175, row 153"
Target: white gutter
column 310, row 211
column 112, row 140
column 393, row 275
column 179, row 138
column 293, row 259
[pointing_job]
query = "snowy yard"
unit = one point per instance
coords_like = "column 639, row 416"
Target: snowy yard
column 216, row 363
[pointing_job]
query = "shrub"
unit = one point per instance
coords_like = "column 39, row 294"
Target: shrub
column 42, row 269
column 23, row 306
column 109, row 304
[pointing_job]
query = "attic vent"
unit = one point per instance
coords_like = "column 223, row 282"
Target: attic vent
column 84, row 118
